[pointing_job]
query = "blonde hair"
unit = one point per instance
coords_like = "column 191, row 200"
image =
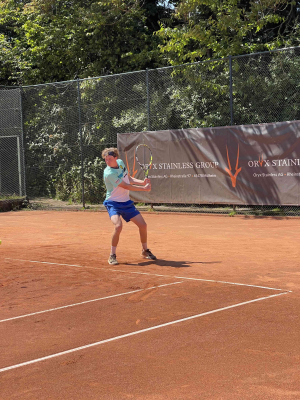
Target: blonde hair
column 108, row 150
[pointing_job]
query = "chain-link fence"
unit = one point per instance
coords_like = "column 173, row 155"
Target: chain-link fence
column 12, row 172
column 68, row 124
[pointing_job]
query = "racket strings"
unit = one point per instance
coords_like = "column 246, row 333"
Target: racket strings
column 143, row 156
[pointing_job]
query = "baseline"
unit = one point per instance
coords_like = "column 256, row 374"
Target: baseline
column 150, row 274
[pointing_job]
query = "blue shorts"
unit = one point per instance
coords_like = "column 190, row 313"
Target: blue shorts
column 125, row 209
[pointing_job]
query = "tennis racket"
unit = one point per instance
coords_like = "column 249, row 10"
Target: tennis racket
column 143, row 156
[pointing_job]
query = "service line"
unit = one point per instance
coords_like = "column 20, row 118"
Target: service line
column 88, row 301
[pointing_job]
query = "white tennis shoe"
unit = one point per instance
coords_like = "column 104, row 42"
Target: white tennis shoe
column 113, row 260
column 147, row 254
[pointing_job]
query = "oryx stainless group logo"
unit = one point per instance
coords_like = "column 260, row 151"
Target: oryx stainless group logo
column 134, row 171
column 274, row 162
column 232, row 169
column 237, row 169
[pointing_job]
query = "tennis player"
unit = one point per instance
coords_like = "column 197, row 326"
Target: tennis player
column 118, row 183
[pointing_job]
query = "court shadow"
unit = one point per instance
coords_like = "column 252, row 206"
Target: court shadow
column 173, row 264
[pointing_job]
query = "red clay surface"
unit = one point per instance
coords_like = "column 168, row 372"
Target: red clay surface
column 170, row 329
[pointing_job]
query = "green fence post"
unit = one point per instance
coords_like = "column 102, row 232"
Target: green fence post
column 81, row 143
column 230, row 90
column 148, row 99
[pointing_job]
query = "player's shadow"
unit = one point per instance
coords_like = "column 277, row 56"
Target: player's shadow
column 173, row 264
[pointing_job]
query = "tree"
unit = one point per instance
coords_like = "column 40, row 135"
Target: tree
column 57, row 40
column 214, row 29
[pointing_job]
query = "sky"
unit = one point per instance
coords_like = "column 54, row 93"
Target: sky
column 166, row 3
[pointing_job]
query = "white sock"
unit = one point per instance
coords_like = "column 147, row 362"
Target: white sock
column 144, row 246
column 113, row 250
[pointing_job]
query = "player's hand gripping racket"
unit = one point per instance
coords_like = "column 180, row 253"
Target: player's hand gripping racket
column 143, row 156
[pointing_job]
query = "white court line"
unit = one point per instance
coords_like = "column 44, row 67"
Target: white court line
column 62, row 353
column 203, row 280
column 51, row 263
column 146, row 273
column 88, row 301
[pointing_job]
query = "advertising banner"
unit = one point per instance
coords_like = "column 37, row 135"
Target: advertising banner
column 246, row 164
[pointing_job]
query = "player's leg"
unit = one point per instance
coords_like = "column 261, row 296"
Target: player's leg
column 117, row 222
column 141, row 224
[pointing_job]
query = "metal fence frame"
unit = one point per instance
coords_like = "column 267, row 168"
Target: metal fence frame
column 11, row 126
column 142, row 82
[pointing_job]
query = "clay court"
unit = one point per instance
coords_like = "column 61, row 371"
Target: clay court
column 215, row 317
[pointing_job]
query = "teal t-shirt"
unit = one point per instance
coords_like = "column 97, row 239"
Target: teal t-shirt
column 112, row 178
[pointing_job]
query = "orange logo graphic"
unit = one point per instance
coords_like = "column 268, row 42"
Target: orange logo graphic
column 134, row 171
column 261, row 160
column 237, row 170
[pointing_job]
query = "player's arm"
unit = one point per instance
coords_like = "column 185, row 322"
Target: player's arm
column 138, row 182
column 134, row 188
